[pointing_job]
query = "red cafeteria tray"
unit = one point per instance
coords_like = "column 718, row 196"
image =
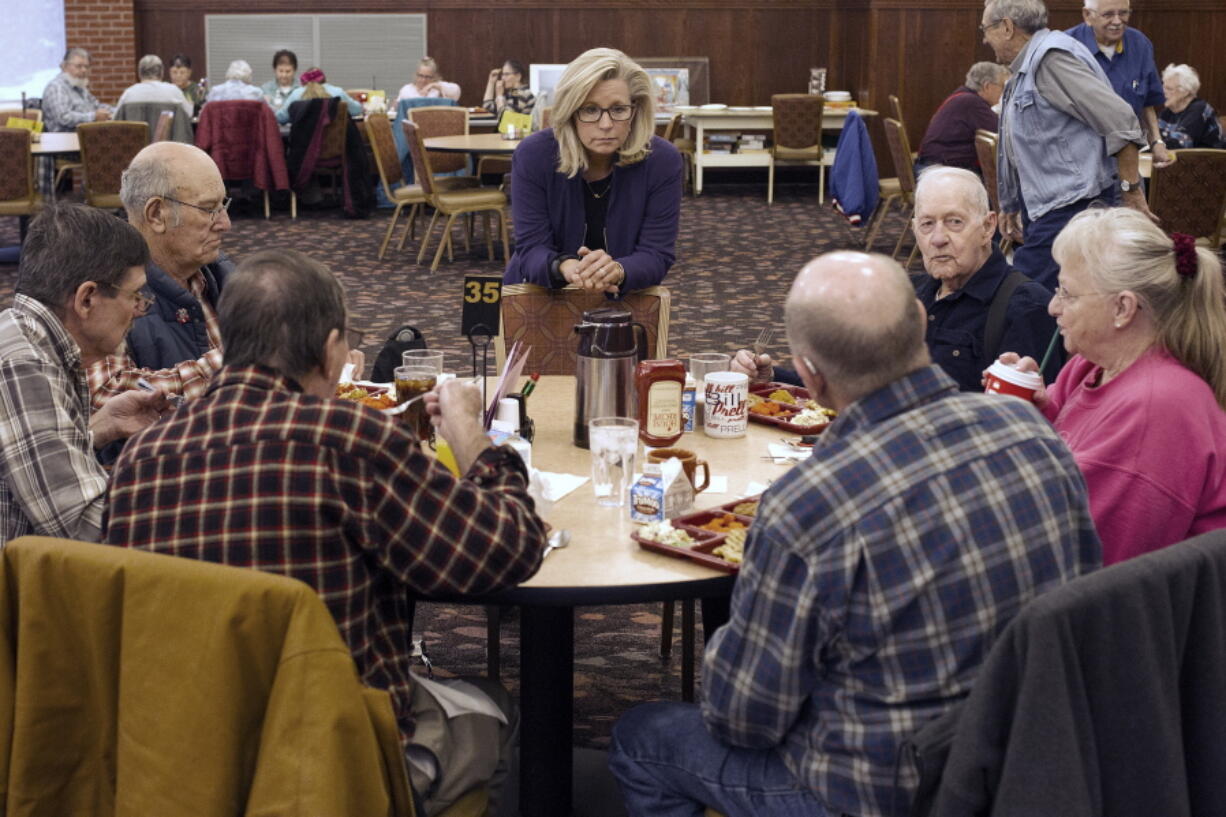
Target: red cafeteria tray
column 781, row 420
column 705, row 540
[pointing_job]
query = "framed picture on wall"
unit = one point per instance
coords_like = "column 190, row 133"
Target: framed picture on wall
column 672, row 87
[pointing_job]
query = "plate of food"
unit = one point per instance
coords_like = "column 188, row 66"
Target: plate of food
column 788, row 407
column 714, row 537
column 381, row 396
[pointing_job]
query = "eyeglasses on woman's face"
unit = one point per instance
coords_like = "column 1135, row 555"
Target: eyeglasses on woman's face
column 591, row 114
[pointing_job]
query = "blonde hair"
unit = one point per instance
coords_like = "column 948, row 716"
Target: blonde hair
column 580, row 77
column 1124, row 250
column 428, row 62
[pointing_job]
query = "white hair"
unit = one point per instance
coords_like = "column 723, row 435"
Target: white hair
column 150, row 67
column 974, row 194
column 1185, row 77
column 984, row 73
column 239, row 70
column 1028, row 15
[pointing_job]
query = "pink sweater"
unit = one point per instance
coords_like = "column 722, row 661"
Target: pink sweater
column 1152, row 446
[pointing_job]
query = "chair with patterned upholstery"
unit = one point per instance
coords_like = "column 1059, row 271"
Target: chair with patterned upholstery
column 453, row 202
column 383, row 147
column 1189, row 195
column 985, row 150
column 27, row 113
column 17, row 194
column 442, row 120
column 900, row 152
column 107, row 148
column 798, row 137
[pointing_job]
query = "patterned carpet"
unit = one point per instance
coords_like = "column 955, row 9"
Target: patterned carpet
column 736, row 258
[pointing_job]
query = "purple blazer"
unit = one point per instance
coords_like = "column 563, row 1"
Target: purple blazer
column 641, row 225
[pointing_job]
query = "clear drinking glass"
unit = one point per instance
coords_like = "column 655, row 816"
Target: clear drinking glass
column 614, row 441
column 700, row 366
column 423, row 357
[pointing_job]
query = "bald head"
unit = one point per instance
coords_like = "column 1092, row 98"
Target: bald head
column 165, row 169
column 854, row 316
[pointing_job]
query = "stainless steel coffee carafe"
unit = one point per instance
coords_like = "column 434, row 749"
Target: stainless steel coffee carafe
column 611, row 345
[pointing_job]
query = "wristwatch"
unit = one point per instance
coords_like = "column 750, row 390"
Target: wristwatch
column 1128, row 186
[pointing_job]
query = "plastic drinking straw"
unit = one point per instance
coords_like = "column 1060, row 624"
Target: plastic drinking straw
column 1051, row 347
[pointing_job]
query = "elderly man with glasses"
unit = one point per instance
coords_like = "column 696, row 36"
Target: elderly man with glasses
column 1066, row 138
column 67, row 101
column 1127, row 58
column 174, row 196
column 79, row 287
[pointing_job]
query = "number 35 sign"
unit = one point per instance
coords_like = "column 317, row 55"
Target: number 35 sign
column 481, row 296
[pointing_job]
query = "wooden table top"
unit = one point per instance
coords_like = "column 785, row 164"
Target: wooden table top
column 52, row 143
column 473, row 143
column 601, row 554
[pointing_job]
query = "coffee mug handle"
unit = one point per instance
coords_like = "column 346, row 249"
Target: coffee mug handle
column 706, row 475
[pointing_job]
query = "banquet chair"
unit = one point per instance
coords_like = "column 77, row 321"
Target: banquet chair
column 1189, row 195
column 244, row 141
column 151, row 114
column 896, row 112
column 985, row 149
column 107, row 148
column 383, row 147
column 453, row 202
column 442, row 120
column 140, row 682
column 685, row 145
column 17, row 194
column 798, row 137
column 900, row 152
column 20, row 113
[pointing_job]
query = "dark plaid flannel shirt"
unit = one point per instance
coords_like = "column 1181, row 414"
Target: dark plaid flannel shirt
column 257, row 474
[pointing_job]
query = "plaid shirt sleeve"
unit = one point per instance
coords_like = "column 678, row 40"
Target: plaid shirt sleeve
column 118, row 373
column 760, row 670
column 63, row 110
column 455, row 536
column 46, row 456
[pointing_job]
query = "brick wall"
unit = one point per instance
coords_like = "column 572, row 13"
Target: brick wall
column 107, row 30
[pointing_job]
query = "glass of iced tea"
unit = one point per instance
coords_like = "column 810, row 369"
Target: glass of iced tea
column 411, row 381
column 423, row 357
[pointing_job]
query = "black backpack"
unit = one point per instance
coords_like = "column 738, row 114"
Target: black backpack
column 405, row 338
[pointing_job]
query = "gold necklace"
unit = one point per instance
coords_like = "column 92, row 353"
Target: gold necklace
column 602, row 193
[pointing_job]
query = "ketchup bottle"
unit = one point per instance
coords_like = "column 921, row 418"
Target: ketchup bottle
column 659, row 384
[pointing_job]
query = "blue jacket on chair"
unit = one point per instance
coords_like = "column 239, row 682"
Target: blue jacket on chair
column 853, row 176
column 402, row 113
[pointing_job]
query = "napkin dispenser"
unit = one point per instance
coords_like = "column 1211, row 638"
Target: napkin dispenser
column 611, row 344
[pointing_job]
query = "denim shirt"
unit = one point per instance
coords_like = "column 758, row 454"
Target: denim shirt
column 1048, row 159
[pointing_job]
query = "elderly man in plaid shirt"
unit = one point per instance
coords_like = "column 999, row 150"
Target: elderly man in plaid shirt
column 78, row 288
column 269, row 470
column 876, row 576
column 67, row 101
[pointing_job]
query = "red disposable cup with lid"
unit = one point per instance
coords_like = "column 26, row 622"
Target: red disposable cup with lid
column 1002, row 378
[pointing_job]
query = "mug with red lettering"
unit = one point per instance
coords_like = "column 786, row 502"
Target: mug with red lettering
column 727, row 404
column 1001, row 378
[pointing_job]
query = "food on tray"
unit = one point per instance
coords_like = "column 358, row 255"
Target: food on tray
column 781, row 396
column 723, row 523
column 749, row 508
column 766, row 408
column 379, row 399
column 664, row 533
column 733, row 548
column 812, row 417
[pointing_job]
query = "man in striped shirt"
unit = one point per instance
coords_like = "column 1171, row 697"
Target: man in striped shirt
column 876, row 576
column 269, row 470
column 78, row 288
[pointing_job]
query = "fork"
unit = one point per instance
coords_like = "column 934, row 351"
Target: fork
column 764, row 339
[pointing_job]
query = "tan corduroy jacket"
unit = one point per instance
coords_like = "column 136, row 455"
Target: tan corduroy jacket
column 136, row 684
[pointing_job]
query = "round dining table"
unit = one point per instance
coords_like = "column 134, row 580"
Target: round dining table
column 472, row 143
column 601, row 566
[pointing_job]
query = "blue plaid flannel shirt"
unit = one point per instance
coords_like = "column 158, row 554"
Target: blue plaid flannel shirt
column 880, row 571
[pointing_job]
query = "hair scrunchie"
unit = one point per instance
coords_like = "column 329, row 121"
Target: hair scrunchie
column 314, row 75
column 1185, row 254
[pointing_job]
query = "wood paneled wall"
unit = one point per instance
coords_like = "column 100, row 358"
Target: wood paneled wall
column 918, row 49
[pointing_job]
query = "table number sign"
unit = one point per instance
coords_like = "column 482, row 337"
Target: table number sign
column 482, row 295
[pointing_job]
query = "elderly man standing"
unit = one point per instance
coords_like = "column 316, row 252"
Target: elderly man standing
column 1127, row 57
column 67, row 101
column 976, row 305
column 237, row 85
column 1066, row 138
column 79, row 286
column 950, row 138
column 175, row 197
column 270, row 470
column 152, row 88
column 877, row 574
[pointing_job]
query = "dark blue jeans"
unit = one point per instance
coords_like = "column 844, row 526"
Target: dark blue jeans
column 1033, row 258
column 668, row 765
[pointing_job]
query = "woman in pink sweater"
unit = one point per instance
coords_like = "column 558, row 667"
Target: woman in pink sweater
column 1140, row 403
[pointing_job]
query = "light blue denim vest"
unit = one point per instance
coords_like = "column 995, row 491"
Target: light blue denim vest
column 1057, row 159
